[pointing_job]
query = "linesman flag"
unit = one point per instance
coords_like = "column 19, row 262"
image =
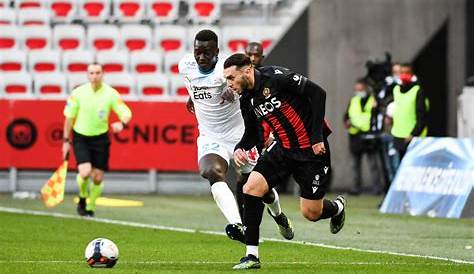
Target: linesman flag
column 53, row 190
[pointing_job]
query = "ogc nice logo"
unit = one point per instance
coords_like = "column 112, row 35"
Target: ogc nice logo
column 21, row 133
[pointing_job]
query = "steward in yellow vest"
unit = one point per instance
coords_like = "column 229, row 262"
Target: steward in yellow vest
column 358, row 121
column 409, row 112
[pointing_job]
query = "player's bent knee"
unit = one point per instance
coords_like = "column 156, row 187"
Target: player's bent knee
column 213, row 174
column 85, row 170
column 311, row 214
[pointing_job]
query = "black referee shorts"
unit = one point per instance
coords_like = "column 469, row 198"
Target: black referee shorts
column 92, row 149
column 311, row 172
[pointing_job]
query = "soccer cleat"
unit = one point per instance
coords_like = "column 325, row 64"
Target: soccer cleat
column 235, row 232
column 81, row 207
column 337, row 222
column 248, row 262
column 284, row 225
column 90, row 213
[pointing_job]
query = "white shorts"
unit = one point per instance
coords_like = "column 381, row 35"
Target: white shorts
column 225, row 149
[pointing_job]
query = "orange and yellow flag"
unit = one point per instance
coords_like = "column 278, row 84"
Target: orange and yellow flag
column 53, row 191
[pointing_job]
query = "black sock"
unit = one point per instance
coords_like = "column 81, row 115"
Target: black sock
column 329, row 209
column 253, row 211
column 269, row 197
column 239, row 194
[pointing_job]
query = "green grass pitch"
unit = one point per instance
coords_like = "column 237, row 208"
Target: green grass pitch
column 47, row 244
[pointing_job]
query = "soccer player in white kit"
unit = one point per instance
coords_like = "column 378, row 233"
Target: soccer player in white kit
column 221, row 127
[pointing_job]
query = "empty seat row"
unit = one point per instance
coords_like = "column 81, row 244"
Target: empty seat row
column 58, row 86
column 130, row 37
column 93, row 11
column 46, row 61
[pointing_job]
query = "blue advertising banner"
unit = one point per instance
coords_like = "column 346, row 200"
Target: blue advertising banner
column 435, row 178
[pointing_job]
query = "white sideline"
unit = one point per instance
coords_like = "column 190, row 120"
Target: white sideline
column 219, row 262
column 169, row 228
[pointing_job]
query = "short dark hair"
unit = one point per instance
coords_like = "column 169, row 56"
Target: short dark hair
column 237, row 59
column 256, row 45
column 97, row 64
column 361, row 81
column 206, row 35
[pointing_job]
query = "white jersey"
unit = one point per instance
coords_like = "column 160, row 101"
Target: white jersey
column 217, row 118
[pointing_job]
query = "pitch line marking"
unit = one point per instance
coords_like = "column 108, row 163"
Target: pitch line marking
column 217, row 262
column 177, row 229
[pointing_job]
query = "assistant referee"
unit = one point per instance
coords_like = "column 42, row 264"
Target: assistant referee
column 87, row 115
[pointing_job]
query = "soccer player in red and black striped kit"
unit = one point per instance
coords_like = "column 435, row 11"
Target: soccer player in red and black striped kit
column 294, row 107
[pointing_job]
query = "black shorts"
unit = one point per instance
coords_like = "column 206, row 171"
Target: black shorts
column 92, row 149
column 311, row 172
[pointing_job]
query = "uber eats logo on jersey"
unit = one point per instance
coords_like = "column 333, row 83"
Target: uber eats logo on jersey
column 201, row 93
column 267, row 107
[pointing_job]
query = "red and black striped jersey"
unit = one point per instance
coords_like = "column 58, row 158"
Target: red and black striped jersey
column 290, row 104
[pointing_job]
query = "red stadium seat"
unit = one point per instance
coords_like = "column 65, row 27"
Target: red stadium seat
column 170, row 38
column 178, row 89
column 12, row 61
column 146, row 62
column 44, row 61
column 69, row 37
column 33, row 16
column 129, row 10
column 113, row 61
column 17, row 85
column 153, row 86
column 26, row 4
column 94, row 10
column 204, row 11
column 171, row 62
column 37, row 37
column 76, row 62
column 103, row 37
column 136, row 37
column 124, row 83
column 10, row 37
column 63, row 10
column 50, row 85
column 161, row 11
column 236, row 38
column 7, row 16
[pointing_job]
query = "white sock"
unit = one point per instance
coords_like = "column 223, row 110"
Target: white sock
column 226, row 202
column 275, row 207
column 252, row 249
column 340, row 206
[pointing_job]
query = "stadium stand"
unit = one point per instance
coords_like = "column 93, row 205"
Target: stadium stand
column 17, row 85
column 103, row 37
column 170, row 38
column 75, row 62
column 135, row 37
column 69, row 37
column 44, row 61
column 177, row 88
column 204, row 11
column 63, row 10
column 10, row 37
column 36, row 37
column 13, row 61
column 34, row 16
column 7, row 16
column 124, row 83
column 113, row 61
column 162, row 11
column 129, row 10
column 94, row 11
column 143, row 62
column 74, row 80
column 153, row 87
column 50, row 86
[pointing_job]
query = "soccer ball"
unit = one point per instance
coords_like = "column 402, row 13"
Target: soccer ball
column 101, row 252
